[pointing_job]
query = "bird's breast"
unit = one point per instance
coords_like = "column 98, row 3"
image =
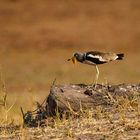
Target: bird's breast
column 89, row 62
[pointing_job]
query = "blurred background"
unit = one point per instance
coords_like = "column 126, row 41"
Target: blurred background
column 38, row 36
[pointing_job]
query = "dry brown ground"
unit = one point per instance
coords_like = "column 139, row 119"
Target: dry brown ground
column 37, row 37
column 119, row 122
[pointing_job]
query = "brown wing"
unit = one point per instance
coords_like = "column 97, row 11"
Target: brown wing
column 109, row 56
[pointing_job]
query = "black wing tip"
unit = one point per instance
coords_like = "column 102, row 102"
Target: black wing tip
column 120, row 56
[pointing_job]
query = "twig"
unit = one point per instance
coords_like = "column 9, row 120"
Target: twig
column 53, row 83
column 4, row 100
column 40, row 105
column 22, row 112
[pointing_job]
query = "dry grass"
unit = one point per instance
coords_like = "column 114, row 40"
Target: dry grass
column 37, row 37
column 121, row 121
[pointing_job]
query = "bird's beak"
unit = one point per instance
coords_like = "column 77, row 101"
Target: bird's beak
column 73, row 59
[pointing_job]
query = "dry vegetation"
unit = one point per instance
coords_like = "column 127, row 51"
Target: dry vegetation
column 37, row 37
column 120, row 121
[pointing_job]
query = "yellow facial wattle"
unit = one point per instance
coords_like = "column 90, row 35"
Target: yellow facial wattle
column 73, row 60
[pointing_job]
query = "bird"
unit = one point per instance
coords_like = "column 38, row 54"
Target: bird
column 95, row 58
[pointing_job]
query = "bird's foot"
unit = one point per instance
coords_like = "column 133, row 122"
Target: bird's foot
column 94, row 86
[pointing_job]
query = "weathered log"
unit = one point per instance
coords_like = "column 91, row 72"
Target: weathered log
column 72, row 98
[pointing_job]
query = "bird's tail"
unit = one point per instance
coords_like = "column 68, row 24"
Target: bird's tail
column 120, row 56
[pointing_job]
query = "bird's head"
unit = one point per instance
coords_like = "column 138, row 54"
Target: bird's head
column 76, row 57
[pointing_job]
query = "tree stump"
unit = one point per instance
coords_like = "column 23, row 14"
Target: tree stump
column 76, row 98
column 72, row 98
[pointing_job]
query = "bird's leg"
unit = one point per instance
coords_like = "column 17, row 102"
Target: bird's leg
column 96, row 77
column 97, row 74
